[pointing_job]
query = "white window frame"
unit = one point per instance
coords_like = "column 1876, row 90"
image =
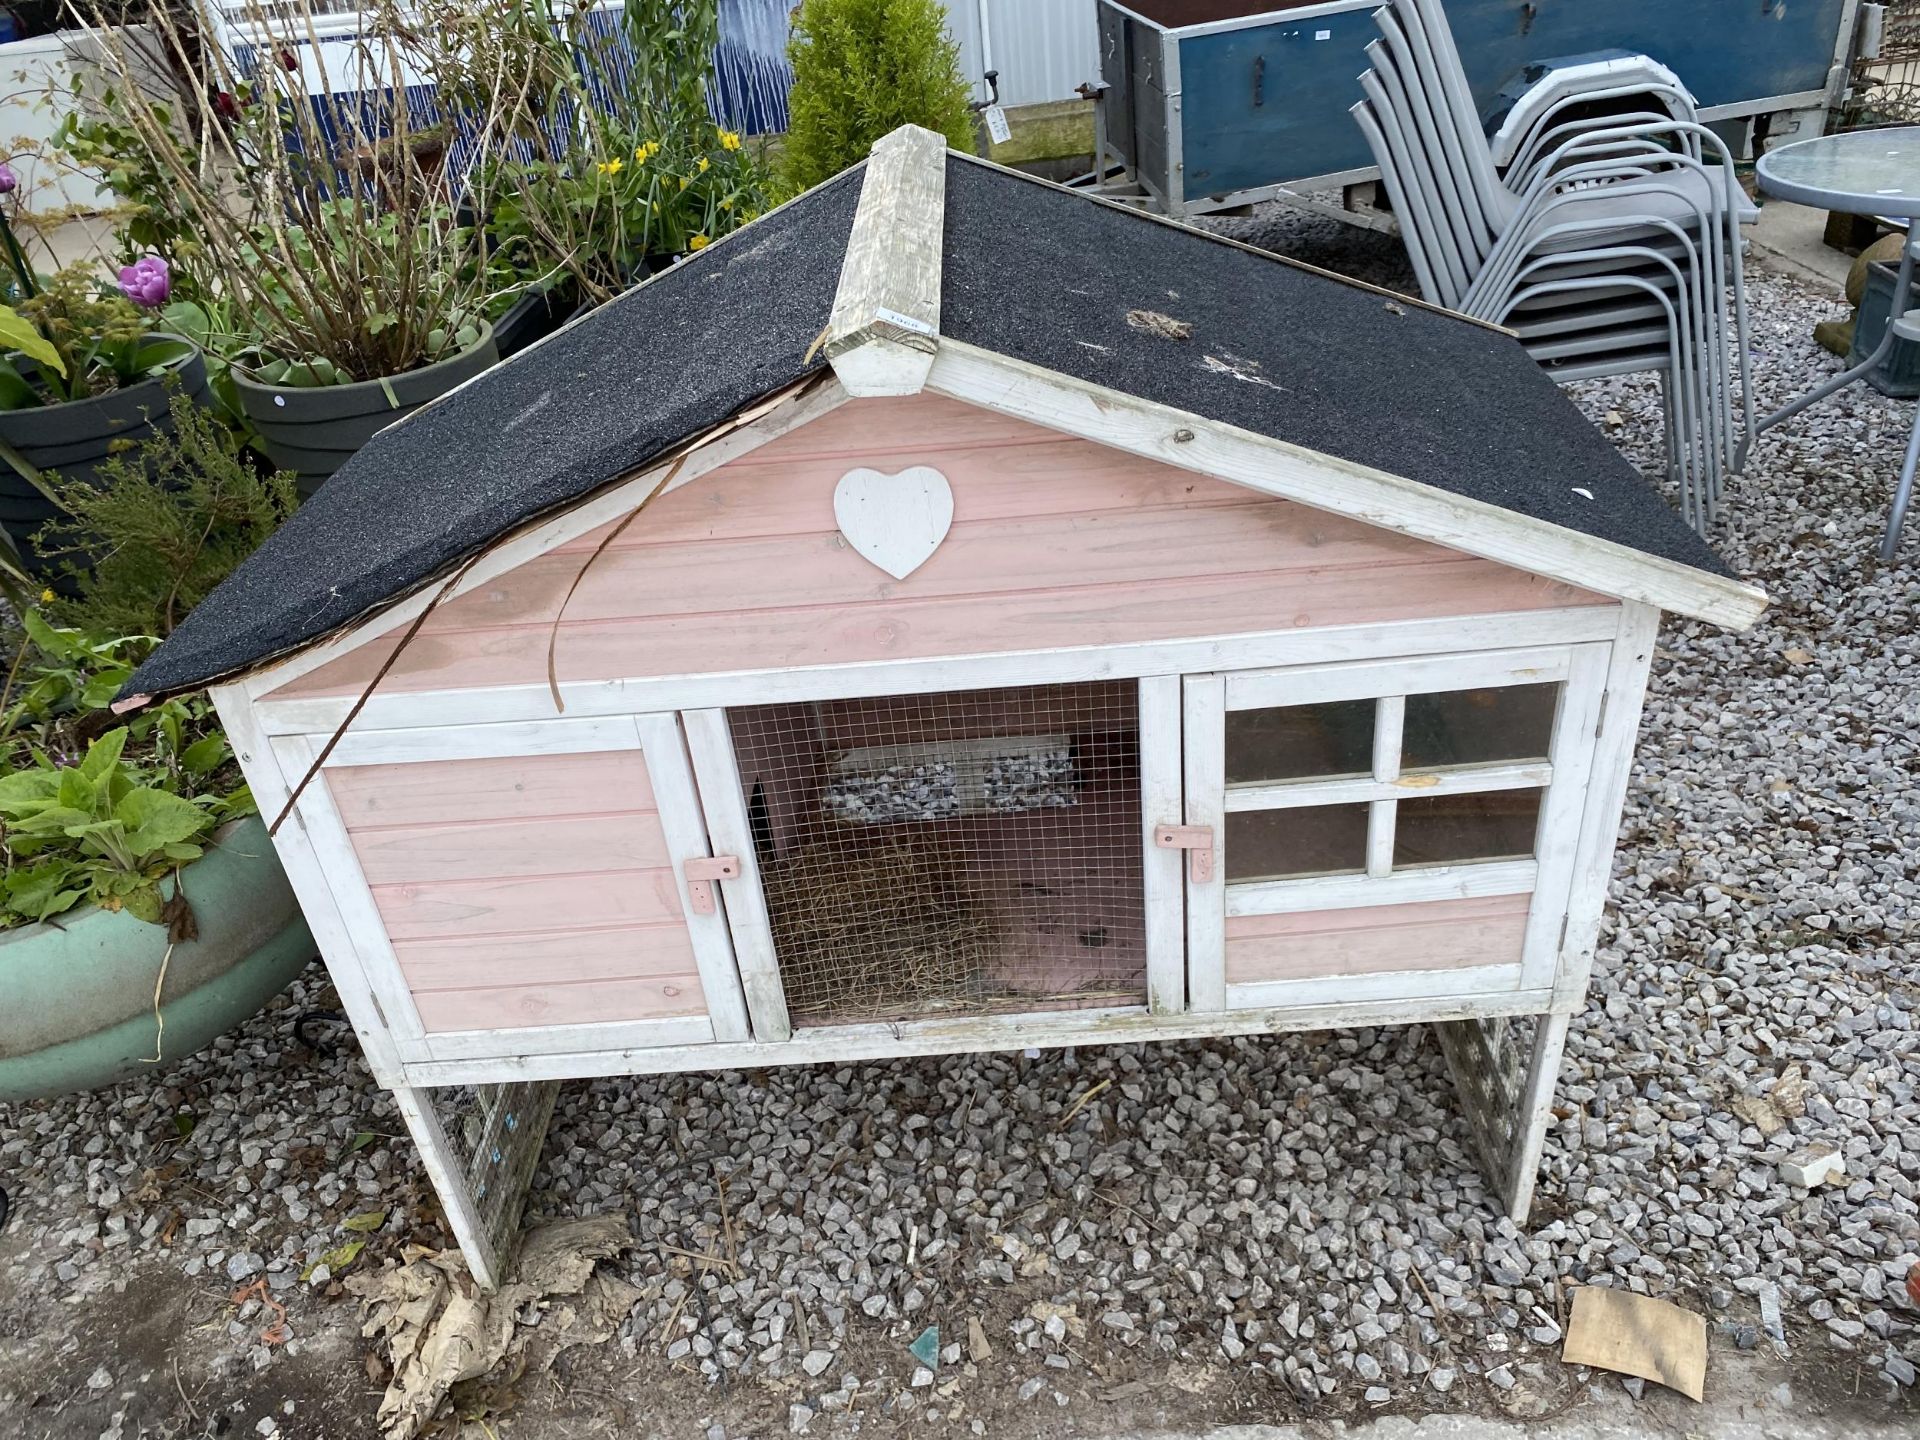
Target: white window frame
column 1548, row 874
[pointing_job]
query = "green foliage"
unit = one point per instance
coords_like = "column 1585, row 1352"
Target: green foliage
column 162, row 525
column 82, row 339
column 638, row 171
column 97, row 813
column 860, row 69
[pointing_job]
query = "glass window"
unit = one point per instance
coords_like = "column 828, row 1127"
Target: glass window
column 1308, row 840
column 1445, row 829
column 1298, row 742
column 1478, row 727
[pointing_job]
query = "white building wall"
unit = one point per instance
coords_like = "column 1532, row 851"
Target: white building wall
column 1042, row 48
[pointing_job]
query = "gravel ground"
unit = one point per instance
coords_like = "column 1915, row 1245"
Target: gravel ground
column 1266, row 1227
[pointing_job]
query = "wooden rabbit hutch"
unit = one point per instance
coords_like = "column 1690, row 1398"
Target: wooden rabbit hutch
column 953, row 613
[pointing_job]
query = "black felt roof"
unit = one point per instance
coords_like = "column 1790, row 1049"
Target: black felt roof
column 1037, row 273
column 589, row 405
column 1030, row 271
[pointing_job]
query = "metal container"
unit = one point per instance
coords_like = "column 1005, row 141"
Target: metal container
column 1214, row 103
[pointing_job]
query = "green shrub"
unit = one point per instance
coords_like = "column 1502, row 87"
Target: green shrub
column 161, row 525
column 860, row 69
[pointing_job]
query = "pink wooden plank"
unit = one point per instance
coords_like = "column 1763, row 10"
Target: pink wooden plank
column 909, row 628
column 440, row 791
column 638, row 951
column 1430, row 935
column 1047, row 475
column 978, row 558
column 498, row 849
column 536, row 905
column 905, row 422
column 578, row 1004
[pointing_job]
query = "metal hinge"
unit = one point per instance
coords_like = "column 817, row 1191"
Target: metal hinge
column 1196, row 840
column 701, row 872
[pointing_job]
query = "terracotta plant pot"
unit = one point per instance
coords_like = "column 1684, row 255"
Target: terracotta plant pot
column 74, row 438
column 313, row 430
column 76, row 997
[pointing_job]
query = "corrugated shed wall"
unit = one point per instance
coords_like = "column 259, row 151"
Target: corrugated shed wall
column 1042, row 48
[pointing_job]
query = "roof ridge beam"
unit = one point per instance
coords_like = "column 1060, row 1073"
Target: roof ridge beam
column 885, row 325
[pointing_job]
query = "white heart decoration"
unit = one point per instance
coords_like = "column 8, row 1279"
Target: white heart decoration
column 896, row 521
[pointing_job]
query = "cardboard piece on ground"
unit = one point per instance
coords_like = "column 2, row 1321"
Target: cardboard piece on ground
column 1633, row 1335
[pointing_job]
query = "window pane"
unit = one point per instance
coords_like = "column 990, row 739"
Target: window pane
column 1295, row 742
column 1310, row 840
column 1478, row 727
column 1443, row 829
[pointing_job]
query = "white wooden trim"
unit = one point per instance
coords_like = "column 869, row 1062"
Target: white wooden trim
column 1321, row 646
column 1629, row 664
column 341, row 870
column 1389, row 725
column 717, row 770
column 1395, row 679
column 442, row 1164
column 787, row 412
column 686, row 824
column 1383, row 821
column 1403, row 887
column 511, row 739
column 841, row 1043
column 1466, row 780
column 1560, row 811
column 1381, row 985
column 885, row 322
column 1204, row 765
column 306, row 874
column 558, row 1039
column 1163, row 871
column 1291, row 472
column 1530, row 1125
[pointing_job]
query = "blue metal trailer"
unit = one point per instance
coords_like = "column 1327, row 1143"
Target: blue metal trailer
column 1213, row 103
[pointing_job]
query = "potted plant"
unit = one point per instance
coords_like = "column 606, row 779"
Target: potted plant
column 83, row 375
column 142, row 911
column 330, row 271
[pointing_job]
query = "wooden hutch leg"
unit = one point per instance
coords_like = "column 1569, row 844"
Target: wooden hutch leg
column 481, row 1158
column 1506, row 1090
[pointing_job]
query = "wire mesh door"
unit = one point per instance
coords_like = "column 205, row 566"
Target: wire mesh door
column 970, row 852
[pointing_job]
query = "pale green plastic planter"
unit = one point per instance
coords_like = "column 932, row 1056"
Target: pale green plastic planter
column 76, row 999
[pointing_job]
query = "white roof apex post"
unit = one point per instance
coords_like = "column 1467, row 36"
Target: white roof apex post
column 885, row 326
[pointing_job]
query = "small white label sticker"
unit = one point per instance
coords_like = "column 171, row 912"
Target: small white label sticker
column 280, row 400
column 902, row 322
column 1323, row 34
column 997, row 125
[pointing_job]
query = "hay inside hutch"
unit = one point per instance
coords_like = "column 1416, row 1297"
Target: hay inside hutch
column 1109, row 633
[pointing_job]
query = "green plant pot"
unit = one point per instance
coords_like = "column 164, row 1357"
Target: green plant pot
column 74, row 439
column 313, row 430
column 76, row 997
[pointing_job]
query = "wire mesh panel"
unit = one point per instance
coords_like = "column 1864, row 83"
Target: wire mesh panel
column 496, row 1133
column 961, row 853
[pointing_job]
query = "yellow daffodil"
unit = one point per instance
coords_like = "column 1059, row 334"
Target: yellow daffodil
column 698, row 242
column 684, row 182
column 46, row 597
column 647, row 151
column 727, row 204
column 610, row 167
column 703, row 164
column 729, row 140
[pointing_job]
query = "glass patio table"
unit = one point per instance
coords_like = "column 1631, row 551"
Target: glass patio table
column 1863, row 172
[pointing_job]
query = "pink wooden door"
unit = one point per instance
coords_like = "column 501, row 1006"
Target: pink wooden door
column 536, row 887
column 1388, row 830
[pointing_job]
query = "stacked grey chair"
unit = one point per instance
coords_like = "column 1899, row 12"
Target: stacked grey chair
column 1610, row 245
